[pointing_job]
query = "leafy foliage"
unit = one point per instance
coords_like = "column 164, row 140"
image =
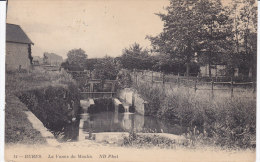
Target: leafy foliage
column 77, row 57
column 105, row 69
column 135, row 57
column 50, row 105
column 182, row 31
column 210, row 33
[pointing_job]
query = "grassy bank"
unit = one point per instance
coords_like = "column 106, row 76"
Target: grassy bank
column 18, row 129
column 210, row 119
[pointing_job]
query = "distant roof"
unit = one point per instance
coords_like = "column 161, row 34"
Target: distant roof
column 14, row 33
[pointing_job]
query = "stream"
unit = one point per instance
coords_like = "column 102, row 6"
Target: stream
column 108, row 121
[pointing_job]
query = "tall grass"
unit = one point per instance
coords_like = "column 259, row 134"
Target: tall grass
column 38, row 78
column 210, row 118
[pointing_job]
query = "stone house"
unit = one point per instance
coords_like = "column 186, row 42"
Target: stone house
column 18, row 48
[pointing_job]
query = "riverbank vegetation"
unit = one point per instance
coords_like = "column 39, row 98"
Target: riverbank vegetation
column 18, row 129
column 218, row 120
column 152, row 140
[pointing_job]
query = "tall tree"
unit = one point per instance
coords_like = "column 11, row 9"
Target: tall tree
column 77, row 57
column 243, row 13
column 249, row 32
column 135, row 57
column 216, row 32
column 181, row 33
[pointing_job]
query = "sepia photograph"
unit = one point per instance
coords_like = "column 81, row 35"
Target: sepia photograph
column 130, row 80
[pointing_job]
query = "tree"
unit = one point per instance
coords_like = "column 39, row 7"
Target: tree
column 181, row 33
column 135, row 57
column 216, row 32
column 249, row 34
column 77, row 57
column 105, row 69
column 243, row 14
column 90, row 63
column 65, row 65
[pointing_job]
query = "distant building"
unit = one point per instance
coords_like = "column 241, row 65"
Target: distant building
column 18, row 48
column 52, row 59
column 37, row 60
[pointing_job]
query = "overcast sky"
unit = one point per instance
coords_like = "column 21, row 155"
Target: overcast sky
column 100, row 27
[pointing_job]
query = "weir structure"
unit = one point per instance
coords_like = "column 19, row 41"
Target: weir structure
column 96, row 89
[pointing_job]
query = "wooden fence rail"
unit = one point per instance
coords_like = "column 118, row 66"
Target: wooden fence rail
column 192, row 82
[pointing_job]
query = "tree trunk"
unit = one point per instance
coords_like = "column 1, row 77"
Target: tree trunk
column 209, row 69
column 188, row 69
column 210, row 50
column 209, row 62
column 188, row 59
column 250, row 72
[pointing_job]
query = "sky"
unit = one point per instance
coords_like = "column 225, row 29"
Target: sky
column 99, row 27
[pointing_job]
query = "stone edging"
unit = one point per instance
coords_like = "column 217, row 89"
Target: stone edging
column 37, row 124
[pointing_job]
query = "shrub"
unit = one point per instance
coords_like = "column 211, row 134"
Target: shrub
column 50, row 105
column 221, row 120
column 151, row 140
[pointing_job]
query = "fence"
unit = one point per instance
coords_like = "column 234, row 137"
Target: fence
column 192, row 82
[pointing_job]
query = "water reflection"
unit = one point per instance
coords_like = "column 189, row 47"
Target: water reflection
column 117, row 122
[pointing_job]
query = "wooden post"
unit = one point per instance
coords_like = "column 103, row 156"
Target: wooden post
column 212, row 87
column 231, row 87
column 178, row 80
column 254, row 86
column 91, row 87
column 152, row 77
column 195, row 87
column 113, row 87
column 136, row 78
column 163, row 80
column 188, row 81
column 133, row 99
column 212, row 84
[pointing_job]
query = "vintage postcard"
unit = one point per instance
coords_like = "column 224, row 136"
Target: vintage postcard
column 130, row 80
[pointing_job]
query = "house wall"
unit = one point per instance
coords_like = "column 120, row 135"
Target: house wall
column 17, row 54
column 217, row 70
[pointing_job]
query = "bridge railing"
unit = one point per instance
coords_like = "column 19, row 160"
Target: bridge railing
column 85, row 95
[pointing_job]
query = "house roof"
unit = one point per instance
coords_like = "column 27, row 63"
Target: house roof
column 14, row 33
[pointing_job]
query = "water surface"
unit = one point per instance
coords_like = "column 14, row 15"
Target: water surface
column 119, row 122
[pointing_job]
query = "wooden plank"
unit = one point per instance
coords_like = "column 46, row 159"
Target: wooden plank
column 245, row 83
column 97, row 92
column 222, row 82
